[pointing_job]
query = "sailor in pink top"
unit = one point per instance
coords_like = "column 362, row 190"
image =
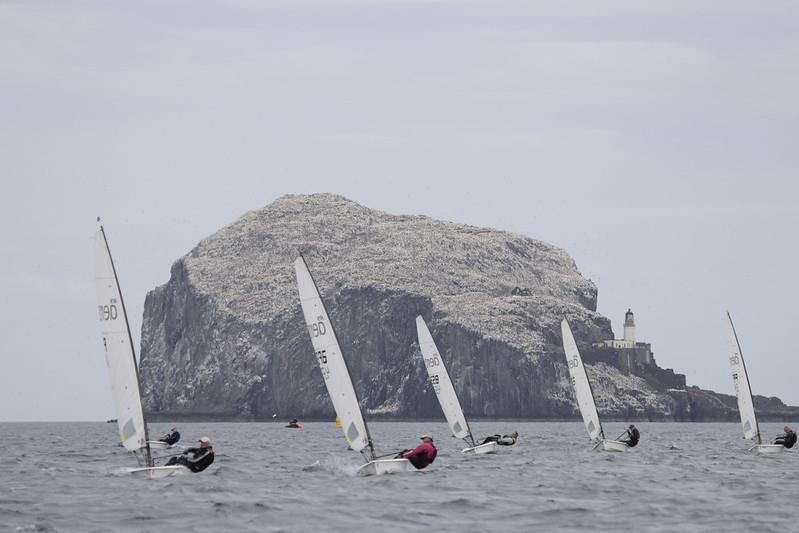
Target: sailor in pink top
column 422, row 455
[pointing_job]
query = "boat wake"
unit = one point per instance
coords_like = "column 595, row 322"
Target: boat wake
column 315, row 467
column 119, row 472
column 333, row 465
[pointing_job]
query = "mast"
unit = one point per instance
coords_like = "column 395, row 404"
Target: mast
column 148, row 453
column 346, row 367
column 746, row 375
column 465, row 418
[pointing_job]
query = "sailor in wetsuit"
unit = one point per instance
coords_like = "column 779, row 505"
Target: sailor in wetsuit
column 788, row 439
column 196, row 459
column 172, row 437
column 633, row 436
column 502, row 440
column 421, row 456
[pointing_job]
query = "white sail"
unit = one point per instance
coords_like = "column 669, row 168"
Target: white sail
column 442, row 384
column 119, row 354
column 582, row 387
column 742, row 389
column 331, row 361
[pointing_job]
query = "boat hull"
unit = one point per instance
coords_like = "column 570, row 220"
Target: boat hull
column 769, row 448
column 488, row 447
column 156, row 472
column 158, row 445
column 614, row 446
column 385, row 466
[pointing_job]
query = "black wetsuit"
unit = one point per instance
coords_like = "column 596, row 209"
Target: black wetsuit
column 633, row 436
column 170, row 438
column 502, row 440
column 787, row 440
column 201, row 458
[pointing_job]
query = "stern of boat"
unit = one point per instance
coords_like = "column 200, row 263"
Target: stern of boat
column 767, row 449
column 157, row 472
column 385, row 466
column 614, row 446
column 482, row 449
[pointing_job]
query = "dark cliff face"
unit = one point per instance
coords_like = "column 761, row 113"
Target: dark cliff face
column 225, row 338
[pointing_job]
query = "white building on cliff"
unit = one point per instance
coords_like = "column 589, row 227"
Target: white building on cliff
column 631, row 353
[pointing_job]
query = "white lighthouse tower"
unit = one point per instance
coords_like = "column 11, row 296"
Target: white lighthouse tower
column 629, row 327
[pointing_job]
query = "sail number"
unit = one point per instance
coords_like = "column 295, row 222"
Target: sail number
column 434, row 379
column 318, row 328
column 322, row 357
column 734, row 360
column 107, row 312
column 574, row 363
column 430, row 362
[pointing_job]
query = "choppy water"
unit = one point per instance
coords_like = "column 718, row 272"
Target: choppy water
column 65, row 477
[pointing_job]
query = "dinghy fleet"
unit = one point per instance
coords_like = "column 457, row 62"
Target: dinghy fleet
column 133, row 431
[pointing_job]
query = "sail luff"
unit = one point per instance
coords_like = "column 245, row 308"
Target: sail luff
column 120, row 354
column 743, row 389
column 331, row 361
column 441, row 382
column 582, row 386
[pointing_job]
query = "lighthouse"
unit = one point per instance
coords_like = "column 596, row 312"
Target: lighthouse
column 629, row 327
column 629, row 353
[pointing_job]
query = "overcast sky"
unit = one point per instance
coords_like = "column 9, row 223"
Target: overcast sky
column 655, row 142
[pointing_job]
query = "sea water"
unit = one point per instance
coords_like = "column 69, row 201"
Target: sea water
column 681, row 477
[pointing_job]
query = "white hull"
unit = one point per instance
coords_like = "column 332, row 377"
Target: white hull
column 770, row 448
column 488, row 447
column 614, row 446
column 158, row 445
column 386, row 466
column 156, row 472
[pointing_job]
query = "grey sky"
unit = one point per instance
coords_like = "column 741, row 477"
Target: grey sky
column 656, row 144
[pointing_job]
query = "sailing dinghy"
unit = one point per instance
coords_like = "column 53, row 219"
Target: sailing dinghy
column 585, row 396
column 743, row 391
column 121, row 360
column 161, row 445
column 445, row 392
column 337, row 378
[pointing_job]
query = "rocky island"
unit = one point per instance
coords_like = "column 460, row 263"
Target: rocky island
column 224, row 338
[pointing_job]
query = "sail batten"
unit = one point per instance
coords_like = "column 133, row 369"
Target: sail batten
column 582, row 387
column 743, row 390
column 331, row 361
column 119, row 352
column 442, row 384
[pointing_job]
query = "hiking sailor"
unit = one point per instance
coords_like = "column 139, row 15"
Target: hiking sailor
column 423, row 455
column 196, row 459
column 633, row 436
column 502, row 440
column 172, row 437
column 788, row 439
